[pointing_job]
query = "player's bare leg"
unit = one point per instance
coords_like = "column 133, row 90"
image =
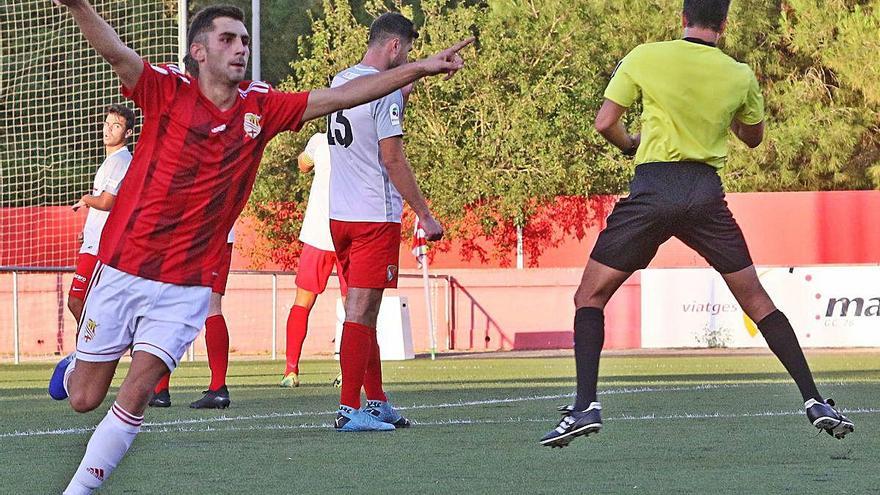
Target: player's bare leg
column 598, row 283
column 116, row 432
column 145, row 371
column 304, row 298
column 362, row 306
column 780, row 337
column 88, row 383
column 297, row 328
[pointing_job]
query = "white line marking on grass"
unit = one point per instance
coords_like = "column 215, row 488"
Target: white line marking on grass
column 613, row 391
column 295, row 414
column 178, row 425
column 468, row 421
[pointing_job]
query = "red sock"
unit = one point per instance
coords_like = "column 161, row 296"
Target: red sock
column 373, row 374
column 163, row 383
column 354, row 354
column 217, row 341
column 297, row 327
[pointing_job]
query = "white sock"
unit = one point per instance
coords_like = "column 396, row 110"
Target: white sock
column 67, row 373
column 110, row 441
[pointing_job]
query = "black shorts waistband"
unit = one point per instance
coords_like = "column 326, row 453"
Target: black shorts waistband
column 658, row 168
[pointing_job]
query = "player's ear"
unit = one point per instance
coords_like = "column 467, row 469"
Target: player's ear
column 128, row 133
column 198, row 52
column 723, row 27
column 395, row 46
column 684, row 20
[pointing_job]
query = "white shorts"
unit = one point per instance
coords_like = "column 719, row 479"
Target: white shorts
column 125, row 311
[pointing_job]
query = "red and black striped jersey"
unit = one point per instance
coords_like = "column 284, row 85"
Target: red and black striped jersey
column 192, row 172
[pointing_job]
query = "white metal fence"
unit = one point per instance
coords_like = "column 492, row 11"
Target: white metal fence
column 35, row 323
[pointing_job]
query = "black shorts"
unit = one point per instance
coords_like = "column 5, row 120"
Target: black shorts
column 681, row 199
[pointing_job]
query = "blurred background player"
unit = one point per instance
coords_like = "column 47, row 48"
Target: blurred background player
column 370, row 177
column 318, row 258
column 117, row 130
column 676, row 191
column 217, row 343
column 191, row 177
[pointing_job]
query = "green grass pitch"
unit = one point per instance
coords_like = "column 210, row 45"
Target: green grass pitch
column 706, row 424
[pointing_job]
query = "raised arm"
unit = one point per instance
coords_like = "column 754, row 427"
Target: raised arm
column 125, row 62
column 368, row 88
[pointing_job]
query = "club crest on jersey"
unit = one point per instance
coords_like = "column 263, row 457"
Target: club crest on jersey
column 252, row 125
column 390, row 273
column 394, row 114
column 91, row 326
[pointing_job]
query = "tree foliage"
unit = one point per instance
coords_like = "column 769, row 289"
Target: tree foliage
column 816, row 61
column 495, row 146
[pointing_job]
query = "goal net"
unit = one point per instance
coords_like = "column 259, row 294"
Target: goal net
column 53, row 91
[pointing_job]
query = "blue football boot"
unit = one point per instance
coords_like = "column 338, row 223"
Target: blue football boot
column 384, row 412
column 349, row 419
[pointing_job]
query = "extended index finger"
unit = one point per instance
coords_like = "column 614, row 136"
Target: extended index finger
column 461, row 44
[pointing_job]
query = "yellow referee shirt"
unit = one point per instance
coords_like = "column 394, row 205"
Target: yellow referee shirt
column 690, row 94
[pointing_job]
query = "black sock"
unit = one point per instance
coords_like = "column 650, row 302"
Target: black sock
column 589, row 336
column 783, row 342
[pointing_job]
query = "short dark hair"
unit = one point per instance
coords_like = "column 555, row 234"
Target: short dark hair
column 203, row 22
column 124, row 112
column 390, row 25
column 706, row 13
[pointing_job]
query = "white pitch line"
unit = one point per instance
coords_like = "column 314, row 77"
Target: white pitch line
column 178, row 423
column 295, row 414
column 468, row 421
column 613, row 391
column 179, row 428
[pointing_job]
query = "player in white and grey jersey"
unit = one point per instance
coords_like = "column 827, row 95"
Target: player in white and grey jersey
column 360, row 187
column 370, row 177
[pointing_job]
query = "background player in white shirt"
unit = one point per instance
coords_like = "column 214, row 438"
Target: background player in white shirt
column 118, row 128
column 370, row 177
column 318, row 256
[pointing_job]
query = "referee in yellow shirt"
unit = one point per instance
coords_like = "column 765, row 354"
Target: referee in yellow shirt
column 691, row 94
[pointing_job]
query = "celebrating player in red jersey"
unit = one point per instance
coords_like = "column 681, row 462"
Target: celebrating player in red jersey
column 193, row 171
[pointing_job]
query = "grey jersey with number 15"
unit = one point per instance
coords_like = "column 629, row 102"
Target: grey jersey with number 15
column 360, row 189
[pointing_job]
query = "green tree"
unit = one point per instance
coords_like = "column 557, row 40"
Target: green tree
column 497, row 145
column 816, row 63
